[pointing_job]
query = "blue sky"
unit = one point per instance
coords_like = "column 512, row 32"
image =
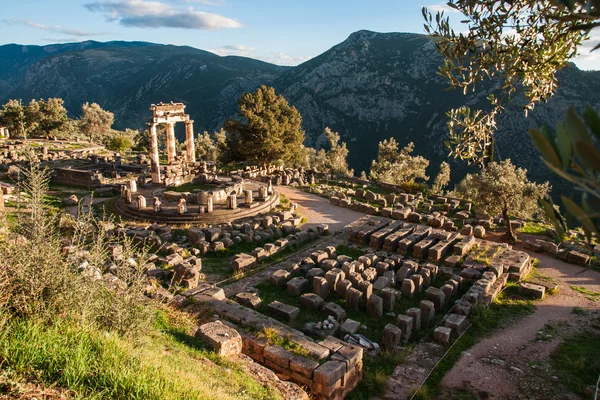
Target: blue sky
column 285, row 32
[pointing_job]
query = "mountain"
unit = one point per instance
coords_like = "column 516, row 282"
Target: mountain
column 368, row 88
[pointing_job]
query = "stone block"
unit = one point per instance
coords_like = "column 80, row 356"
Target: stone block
column 578, row 257
column 335, row 310
column 418, row 281
column 342, row 287
column 389, row 299
column 366, row 288
column 297, row 286
column 312, row 273
column 405, row 323
column 280, row 278
column 224, row 340
column 329, row 374
column 415, row 314
column 479, row 232
column 456, row 322
column 320, row 287
column 531, row 290
column 278, row 356
column 349, row 327
column 311, row 301
column 353, row 298
column 333, row 277
column 381, row 283
column 248, row 299
column 369, row 274
column 328, row 264
column 392, row 335
column 303, row 366
column 408, row 288
column 375, row 306
column 436, row 296
column 284, row 311
column 441, row 334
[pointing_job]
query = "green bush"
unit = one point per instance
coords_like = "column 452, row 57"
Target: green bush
column 119, row 143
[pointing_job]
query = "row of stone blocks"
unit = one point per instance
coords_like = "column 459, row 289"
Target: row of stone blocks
column 332, row 369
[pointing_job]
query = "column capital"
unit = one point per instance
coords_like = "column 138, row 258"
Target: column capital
column 189, row 121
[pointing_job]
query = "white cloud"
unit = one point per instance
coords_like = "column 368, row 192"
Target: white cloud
column 435, row 8
column 53, row 28
column 154, row 14
column 235, row 50
column 284, row 59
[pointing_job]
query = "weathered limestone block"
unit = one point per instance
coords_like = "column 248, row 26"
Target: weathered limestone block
column 232, row 202
column 392, row 335
column 375, row 306
column 353, row 298
column 456, row 322
column 479, row 232
column 311, row 301
column 389, row 299
column 319, row 256
column 333, row 277
column 334, row 310
column 328, row 264
column 436, row 296
column 381, row 283
column 297, row 285
column 405, row 323
column 366, row 288
column 415, row 314
column 243, row 261
column 578, row 257
column 277, row 357
column 382, row 267
column 225, row 341
column 328, row 377
column 280, row 278
column 402, row 274
column 427, row 311
column 248, row 299
column 467, row 230
column 418, row 281
column 285, row 311
column 529, row 289
column 408, row 288
column 342, row 287
column 320, row 287
column 441, row 334
column 369, row 274
column 349, row 327
column 314, row 272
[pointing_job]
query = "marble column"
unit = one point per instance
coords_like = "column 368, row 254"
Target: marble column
column 189, row 141
column 154, row 160
column 171, row 148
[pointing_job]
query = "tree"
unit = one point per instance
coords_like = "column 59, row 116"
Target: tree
column 211, row 147
column 95, row 121
column 267, row 129
column 442, row 179
column 45, row 116
column 13, row 117
column 333, row 160
column 398, row 166
column 502, row 188
column 521, row 43
column 120, row 143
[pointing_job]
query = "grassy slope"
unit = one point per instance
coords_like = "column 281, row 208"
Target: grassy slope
column 165, row 363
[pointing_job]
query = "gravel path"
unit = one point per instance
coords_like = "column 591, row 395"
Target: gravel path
column 512, row 364
column 317, row 210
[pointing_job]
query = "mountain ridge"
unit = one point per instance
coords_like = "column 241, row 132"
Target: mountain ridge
column 369, row 87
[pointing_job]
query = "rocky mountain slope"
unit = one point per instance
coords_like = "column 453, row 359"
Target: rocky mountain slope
column 370, row 87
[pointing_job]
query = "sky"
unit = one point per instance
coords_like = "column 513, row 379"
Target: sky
column 284, row 32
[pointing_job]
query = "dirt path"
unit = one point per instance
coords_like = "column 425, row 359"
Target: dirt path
column 317, row 210
column 512, row 364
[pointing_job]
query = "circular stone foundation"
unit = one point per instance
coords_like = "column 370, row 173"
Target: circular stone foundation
column 222, row 211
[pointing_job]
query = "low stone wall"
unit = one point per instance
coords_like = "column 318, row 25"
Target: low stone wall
column 331, row 371
column 75, row 177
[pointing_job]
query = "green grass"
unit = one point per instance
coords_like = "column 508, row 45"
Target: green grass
column 273, row 337
column 577, row 360
column 167, row 364
column 585, row 291
column 534, row 228
column 344, row 250
column 190, row 187
column 507, row 308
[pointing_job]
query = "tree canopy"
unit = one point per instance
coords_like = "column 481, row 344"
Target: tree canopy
column 267, row 129
column 442, row 179
column 334, row 159
column 39, row 118
column 95, row 121
column 521, row 43
column 502, row 188
column 398, row 166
